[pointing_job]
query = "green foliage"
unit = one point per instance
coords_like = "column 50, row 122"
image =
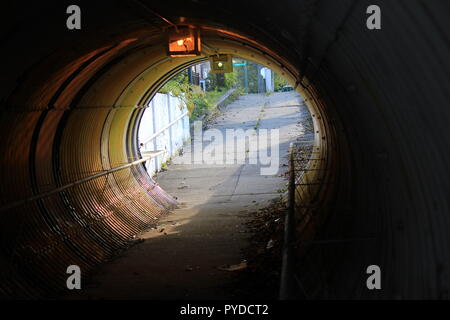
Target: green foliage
column 238, row 92
column 212, row 82
column 279, row 82
column 252, row 77
column 231, row 79
column 177, row 85
column 198, row 102
column 191, row 95
column 214, row 96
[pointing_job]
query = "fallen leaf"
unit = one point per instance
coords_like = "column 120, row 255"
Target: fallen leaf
column 233, row 267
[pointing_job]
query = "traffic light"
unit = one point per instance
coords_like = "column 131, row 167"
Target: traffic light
column 222, row 63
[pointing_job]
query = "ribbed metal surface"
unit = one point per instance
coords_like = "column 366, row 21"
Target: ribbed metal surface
column 382, row 97
column 87, row 223
column 87, row 128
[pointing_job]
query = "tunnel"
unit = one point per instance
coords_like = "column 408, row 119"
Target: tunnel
column 73, row 188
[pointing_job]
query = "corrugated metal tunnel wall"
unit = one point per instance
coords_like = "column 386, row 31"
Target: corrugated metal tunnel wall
column 70, row 102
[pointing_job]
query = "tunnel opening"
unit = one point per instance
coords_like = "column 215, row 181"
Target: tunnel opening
column 279, row 107
column 197, row 94
column 89, row 199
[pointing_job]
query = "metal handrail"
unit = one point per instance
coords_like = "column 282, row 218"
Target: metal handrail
column 160, row 131
column 86, row 179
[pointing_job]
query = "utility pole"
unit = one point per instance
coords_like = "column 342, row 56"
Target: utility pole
column 246, row 76
column 190, row 75
column 260, row 79
column 245, row 65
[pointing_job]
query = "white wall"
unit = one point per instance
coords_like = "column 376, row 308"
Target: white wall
column 161, row 111
column 267, row 74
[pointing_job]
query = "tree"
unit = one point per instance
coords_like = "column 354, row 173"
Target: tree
column 279, row 82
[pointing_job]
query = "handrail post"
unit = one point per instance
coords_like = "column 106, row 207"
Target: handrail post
column 287, row 283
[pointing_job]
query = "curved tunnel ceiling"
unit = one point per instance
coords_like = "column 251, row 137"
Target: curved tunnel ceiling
column 71, row 101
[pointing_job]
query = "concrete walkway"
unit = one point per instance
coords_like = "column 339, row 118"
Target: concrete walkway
column 179, row 258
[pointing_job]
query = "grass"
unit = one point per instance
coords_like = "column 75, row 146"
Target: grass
column 213, row 96
column 213, row 111
column 258, row 123
column 261, row 116
column 233, row 97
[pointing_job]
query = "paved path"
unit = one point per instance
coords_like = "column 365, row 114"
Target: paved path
column 179, row 259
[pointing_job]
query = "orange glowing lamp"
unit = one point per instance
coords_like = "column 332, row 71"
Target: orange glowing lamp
column 184, row 41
